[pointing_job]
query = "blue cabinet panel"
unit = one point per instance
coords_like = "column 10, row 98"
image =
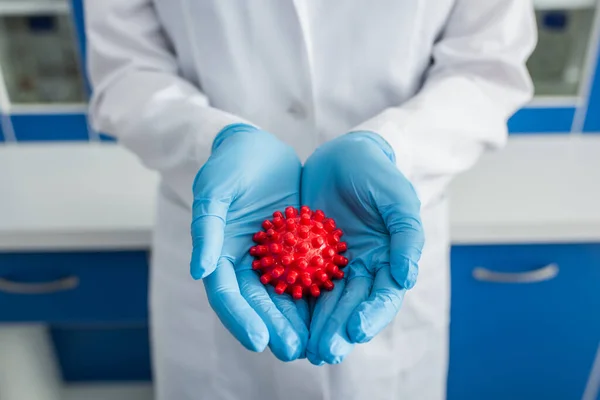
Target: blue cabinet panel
column 592, row 120
column 1, row 129
column 106, row 138
column 529, row 340
column 542, row 120
column 111, row 353
column 79, row 22
column 45, row 127
column 110, row 287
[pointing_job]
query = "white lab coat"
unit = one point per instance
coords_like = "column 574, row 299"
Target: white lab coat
column 436, row 78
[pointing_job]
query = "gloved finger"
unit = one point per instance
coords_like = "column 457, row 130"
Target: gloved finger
column 296, row 312
column 405, row 250
column 403, row 222
column 373, row 315
column 286, row 344
column 304, row 311
column 314, row 358
column 208, row 229
column 334, row 344
column 233, row 310
column 323, row 308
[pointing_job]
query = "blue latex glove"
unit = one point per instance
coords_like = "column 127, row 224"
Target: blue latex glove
column 249, row 175
column 354, row 179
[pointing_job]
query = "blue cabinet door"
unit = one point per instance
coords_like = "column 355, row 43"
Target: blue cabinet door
column 523, row 341
column 84, row 287
column 103, row 353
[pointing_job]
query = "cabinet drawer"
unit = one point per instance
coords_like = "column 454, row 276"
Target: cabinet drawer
column 85, row 287
column 527, row 326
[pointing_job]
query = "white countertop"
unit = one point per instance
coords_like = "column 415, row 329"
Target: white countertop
column 76, row 195
column 98, row 196
column 538, row 189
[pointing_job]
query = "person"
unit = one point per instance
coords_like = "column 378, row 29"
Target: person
column 365, row 110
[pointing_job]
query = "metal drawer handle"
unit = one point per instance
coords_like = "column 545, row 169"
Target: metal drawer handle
column 539, row 275
column 61, row 285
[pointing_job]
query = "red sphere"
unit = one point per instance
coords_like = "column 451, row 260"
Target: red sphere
column 299, row 253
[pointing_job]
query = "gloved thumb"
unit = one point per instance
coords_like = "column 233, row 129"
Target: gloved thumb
column 209, row 218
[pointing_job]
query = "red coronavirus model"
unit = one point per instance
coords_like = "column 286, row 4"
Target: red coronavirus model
column 299, row 253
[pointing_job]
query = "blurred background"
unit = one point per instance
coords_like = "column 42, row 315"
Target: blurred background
column 74, row 266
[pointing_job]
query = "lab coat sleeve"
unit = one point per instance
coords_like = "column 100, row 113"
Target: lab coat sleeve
column 477, row 80
column 139, row 97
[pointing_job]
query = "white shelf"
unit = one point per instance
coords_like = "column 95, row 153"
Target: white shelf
column 33, row 7
column 563, row 4
column 48, row 108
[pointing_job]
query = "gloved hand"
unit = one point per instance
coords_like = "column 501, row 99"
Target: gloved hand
column 354, row 179
column 248, row 176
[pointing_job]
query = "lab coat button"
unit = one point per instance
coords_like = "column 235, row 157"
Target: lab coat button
column 297, row 110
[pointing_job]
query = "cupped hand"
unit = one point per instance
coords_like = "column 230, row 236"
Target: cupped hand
column 354, row 180
column 249, row 175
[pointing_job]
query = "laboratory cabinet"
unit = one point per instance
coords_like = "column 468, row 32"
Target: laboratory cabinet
column 95, row 304
column 74, row 288
column 43, row 50
column 524, row 321
column 43, row 90
column 524, row 318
